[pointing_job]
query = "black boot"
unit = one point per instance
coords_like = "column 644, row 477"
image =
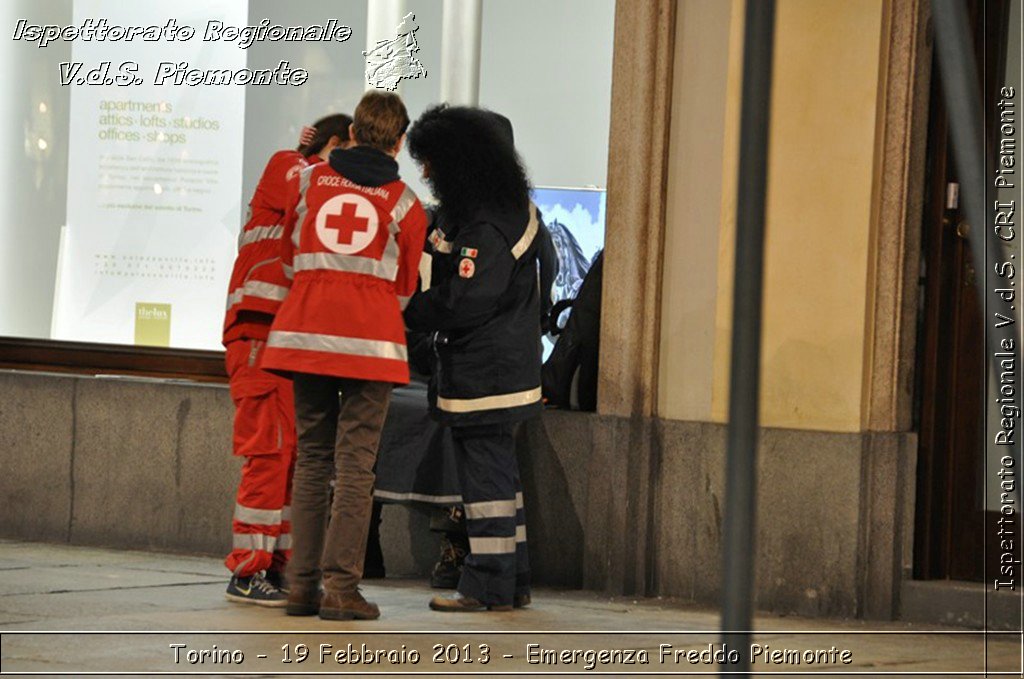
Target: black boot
column 448, row 570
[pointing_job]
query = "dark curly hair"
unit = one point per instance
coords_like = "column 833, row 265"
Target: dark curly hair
column 473, row 164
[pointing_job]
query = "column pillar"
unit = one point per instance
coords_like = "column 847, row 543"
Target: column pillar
column 382, row 17
column 460, row 52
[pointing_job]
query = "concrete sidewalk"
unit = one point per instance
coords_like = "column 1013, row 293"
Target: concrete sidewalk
column 76, row 610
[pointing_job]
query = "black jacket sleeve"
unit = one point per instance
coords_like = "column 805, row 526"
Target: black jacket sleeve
column 433, row 220
column 469, row 295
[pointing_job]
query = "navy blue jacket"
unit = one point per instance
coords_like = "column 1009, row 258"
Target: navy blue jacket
column 483, row 306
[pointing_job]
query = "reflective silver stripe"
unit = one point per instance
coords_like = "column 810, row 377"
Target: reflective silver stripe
column 520, row 533
column 259, row 233
column 253, row 541
column 285, row 541
column 493, row 509
column 492, row 545
column 301, row 208
column 403, row 204
column 391, row 253
column 266, row 517
column 471, row 405
column 523, row 245
column 336, row 344
column 286, row 513
column 289, row 271
column 519, row 500
column 235, row 297
column 403, row 301
column 265, row 290
column 351, row 264
column 257, row 289
column 438, row 242
column 419, row 497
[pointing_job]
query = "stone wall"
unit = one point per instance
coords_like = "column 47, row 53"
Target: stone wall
column 626, row 506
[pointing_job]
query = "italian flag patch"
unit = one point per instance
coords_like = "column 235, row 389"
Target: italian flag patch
column 469, row 252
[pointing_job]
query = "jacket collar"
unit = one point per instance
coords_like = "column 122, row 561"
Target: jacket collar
column 364, row 165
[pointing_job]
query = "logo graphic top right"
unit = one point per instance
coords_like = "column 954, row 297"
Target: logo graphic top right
column 392, row 61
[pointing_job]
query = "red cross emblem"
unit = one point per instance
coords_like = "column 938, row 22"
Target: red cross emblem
column 467, row 268
column 347, row 223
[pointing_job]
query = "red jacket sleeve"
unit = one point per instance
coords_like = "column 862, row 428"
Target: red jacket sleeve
column 290, row 202
column 412, row 233
column 282, row 170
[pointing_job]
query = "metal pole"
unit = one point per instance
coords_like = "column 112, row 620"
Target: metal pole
column 745, row 365
column 965, row 102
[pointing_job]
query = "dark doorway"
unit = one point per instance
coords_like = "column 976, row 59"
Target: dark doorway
column 951, row 521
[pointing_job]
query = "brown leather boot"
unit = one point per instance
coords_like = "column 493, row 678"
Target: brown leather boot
column 464, row 604
column 347, row 606
column 521, row 601
column 303, row 601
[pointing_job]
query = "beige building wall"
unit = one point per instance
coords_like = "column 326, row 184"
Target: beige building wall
column 826, row 78
column 693, row 215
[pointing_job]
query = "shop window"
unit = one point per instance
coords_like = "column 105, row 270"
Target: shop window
column 123, row 203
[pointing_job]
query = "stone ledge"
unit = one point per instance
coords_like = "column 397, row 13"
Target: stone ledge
column 960, row 604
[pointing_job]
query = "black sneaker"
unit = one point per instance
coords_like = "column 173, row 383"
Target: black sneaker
column 277, row 579
column 255, row 589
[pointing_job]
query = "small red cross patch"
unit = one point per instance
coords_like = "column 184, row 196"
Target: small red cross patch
column 295, row 170
column 467, row 268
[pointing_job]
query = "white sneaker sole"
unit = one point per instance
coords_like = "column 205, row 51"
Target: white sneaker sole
column 246, row 600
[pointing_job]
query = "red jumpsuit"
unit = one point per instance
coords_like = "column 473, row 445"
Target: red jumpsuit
column 264, row 428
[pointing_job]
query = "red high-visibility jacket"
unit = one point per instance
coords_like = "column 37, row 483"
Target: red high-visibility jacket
column 258, row 283
column 354, row 251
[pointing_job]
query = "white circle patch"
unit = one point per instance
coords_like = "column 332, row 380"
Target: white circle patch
column 347, row 224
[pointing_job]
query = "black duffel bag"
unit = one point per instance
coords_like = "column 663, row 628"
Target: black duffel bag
column 569, row 376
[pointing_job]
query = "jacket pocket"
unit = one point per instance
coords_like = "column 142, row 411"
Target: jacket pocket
column 469, row 371
column 259, row 421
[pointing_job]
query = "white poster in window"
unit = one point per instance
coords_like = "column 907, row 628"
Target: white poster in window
column 154, row 181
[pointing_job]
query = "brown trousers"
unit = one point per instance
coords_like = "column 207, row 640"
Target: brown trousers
column 337, row 440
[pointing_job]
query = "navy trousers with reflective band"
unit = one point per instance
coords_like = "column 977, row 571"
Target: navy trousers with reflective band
column 497, row 567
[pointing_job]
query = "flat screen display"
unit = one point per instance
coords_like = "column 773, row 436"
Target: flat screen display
column 575, row 217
